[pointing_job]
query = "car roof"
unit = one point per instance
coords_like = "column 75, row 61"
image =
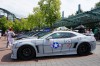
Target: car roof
column 69, row 32
column 64, row 31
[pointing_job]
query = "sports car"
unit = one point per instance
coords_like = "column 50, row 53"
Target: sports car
column 53, row 43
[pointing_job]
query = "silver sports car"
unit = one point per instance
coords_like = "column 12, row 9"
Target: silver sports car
column 54, row 43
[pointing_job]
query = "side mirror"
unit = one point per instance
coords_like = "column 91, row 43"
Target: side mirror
column 50, row 37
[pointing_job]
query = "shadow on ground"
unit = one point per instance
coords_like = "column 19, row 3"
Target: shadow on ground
column 59, row 56
column 7, row 58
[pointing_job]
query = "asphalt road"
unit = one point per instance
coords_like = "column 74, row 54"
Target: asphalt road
column 67, row 60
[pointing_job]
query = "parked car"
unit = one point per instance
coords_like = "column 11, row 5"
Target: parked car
column 54, row 43
column 25, row 35
column 31, row 34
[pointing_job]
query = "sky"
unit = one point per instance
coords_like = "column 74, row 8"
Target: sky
column 22, row 8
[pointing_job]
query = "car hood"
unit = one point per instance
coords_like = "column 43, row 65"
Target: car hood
column 30, row 39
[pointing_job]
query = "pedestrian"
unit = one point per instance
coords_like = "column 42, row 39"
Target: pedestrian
column 10, row 38
column 91, row 32
column 87, row 32
column 96, row 33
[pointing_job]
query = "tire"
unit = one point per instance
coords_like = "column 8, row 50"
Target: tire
column 84, row 49
column 26, row 52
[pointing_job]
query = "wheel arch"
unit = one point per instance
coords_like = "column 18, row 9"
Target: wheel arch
column 27, row 45
column 87, row 43
column 84, row 43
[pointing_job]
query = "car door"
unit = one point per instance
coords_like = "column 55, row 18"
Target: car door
column 67, row 42
column 54, row 43
column 71, row 41
column 47, row 46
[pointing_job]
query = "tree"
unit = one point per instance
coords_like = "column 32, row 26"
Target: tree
column 36, row 19
column 3, row 21
column 50, row 10
column 25, row 25
column 17, row 25
column 9, row 24
column 97, row 5
column 31, row 21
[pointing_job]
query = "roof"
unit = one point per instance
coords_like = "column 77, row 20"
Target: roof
column 69, row 32
column 81, row 18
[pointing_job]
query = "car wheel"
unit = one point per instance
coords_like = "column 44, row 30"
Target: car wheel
column 84, row 49
column 26, row 52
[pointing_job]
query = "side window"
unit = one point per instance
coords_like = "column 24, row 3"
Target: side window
column 55, row 35
column 67, row 35
column 72, row 35
column 62, row 35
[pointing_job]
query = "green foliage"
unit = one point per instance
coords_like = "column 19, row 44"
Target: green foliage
column 17, row 25
column 25, row 24
column 50, row 10
column 36, row 19
column 46, row 14
column 3, row 21
column 31, row 21
column 21, row 25
column 9, row 24
column 97, row 4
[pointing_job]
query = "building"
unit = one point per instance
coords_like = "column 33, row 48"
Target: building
column 89, row 19
column 6, row 13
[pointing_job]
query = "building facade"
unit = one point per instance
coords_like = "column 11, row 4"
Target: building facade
column 6, row 13
column 90, row 19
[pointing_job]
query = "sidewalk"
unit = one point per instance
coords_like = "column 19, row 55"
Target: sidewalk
column 3, row 43
column 4, row 52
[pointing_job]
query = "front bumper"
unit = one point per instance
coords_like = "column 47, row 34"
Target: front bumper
column 14, row 53
column 93, row 45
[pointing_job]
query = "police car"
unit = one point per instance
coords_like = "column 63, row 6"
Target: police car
column 54, row 43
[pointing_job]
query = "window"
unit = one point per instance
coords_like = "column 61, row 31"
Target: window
column 72, row 35
column 62, row 35
column 55, row 35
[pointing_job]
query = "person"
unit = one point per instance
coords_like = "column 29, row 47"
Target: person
column 81, row 30
column 10, row 38
column 96, row 33
column 89, row 32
